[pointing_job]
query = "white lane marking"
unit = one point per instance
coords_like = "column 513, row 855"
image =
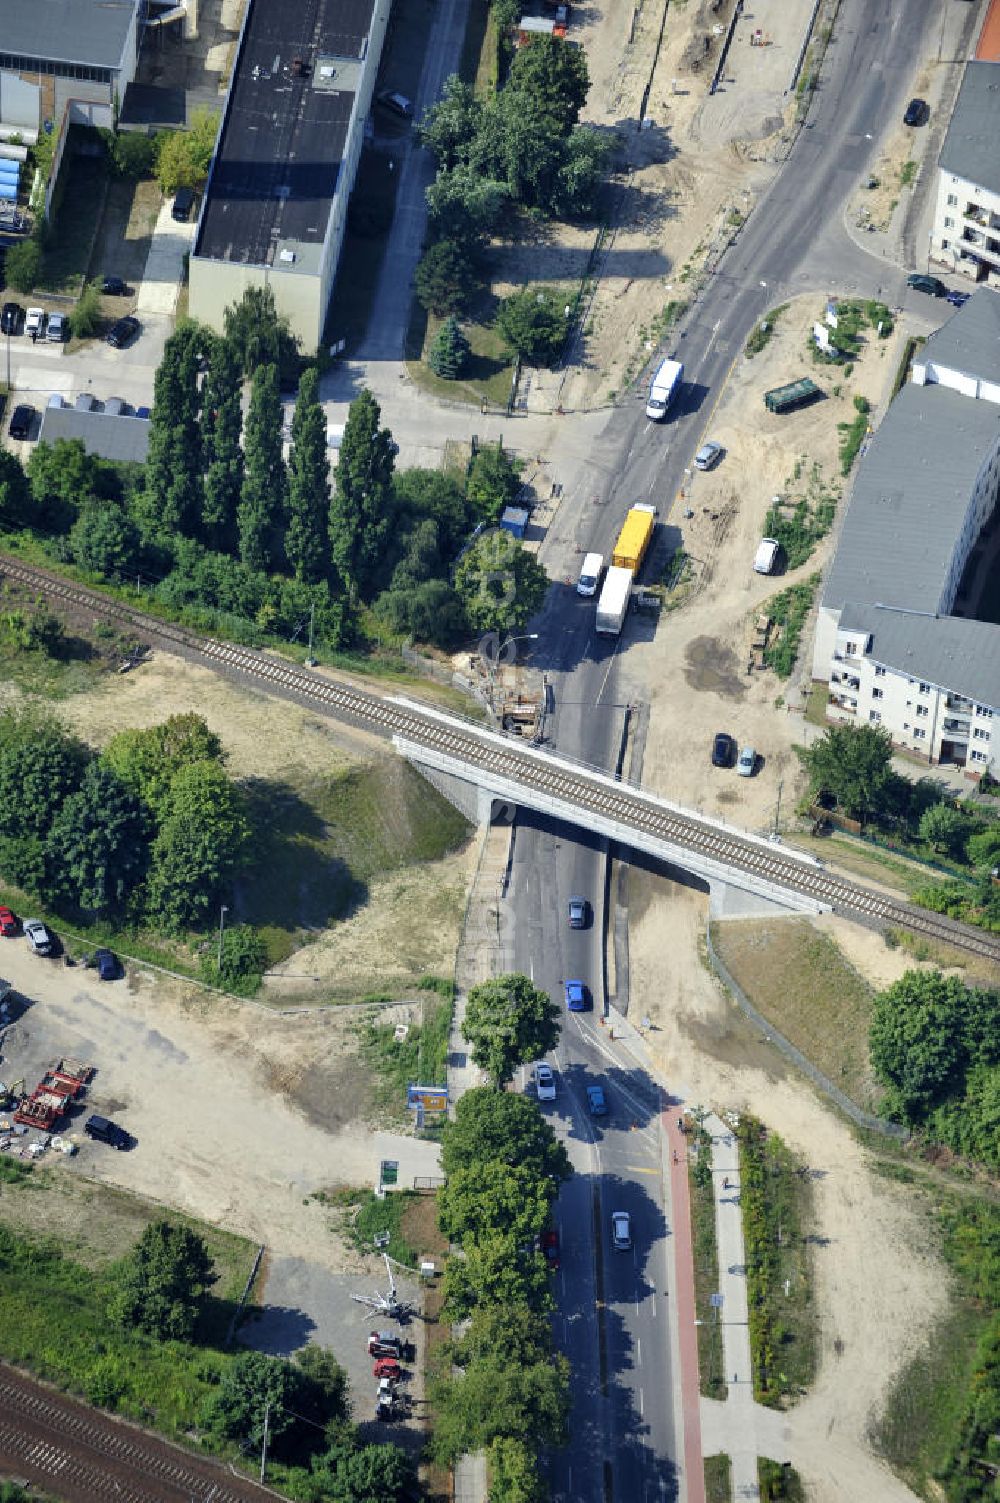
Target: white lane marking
column 638, row 1352
column 642, row 1410
column 604, row 685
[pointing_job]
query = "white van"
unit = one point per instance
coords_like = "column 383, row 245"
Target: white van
column 663, row 388
column 767, row 553
column 590, row 574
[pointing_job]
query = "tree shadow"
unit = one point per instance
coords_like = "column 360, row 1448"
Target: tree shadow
column 293, row 881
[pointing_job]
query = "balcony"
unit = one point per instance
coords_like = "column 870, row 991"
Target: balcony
column 955, row 727
column 840, row 702
column 958, row 704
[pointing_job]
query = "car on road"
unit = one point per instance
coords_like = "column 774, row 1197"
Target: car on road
column 396, row 103
column 550, row 1247
column 20, row 420
column 957, row 299
column 57, row 329
column 708, row 455
column 723, row 749
column 545, row 1082
column 8, row 922
column 34, row 322
column 122, row 332
column 386, row 1367
column 747, row 763
column 576, row 996
column 933, row 286
column 578, row 913
column 621, row 1230
column 107, row 965
column 115, row 287
column 917, row 112
column 596, row 1102
column 39, row 939
column 10, row 318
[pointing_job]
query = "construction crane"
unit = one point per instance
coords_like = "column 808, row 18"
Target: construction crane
column 385, row 1304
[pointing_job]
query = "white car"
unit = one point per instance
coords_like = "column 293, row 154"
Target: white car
column 747, row 763
column 56, row 331
column 545, row 1083
column 621, row 1230
column 38, row 937
column 34, row 322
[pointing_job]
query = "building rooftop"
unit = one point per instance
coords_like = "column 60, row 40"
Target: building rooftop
column 122, row 439
column 970, row 147
column 90, row 32
column 950, row 652
column 279, row 155
column 910, row 498
column 970, row 340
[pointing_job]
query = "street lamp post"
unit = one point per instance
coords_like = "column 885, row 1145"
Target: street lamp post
column 493, row 661
column 222, row 927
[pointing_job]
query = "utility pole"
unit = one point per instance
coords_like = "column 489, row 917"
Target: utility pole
column 310, row 660
column 263, row 1449
column 777, row 809
column 222, row 926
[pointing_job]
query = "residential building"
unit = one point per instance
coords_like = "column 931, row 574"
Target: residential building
column 895, row 640
column 275, row 207
column 966, row 233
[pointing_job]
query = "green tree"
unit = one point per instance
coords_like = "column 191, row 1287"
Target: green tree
column 435, row 494
column 583, row 170
column 183, row 157
column 201, row 834
column 130, row 154
column 496, row 1271
column 86, row 316
column 262, row 505
column 523, row 149
column 103, row 541
column 507, row 1200
column 362, row 1474
column 944, row 829
column 449, row 127
column 430, row 612
column 221, row 427
column 917, row 1043
column 63, row 478
column 983, row 848
column 160, row 1286
column 466, row 207
column 95, row 850
column 173, row 469
column 259, row 334
column 15, row 496
column 41, row 766
column 494, row 482
column 24, row 264
column 509, row 1020
column 307, row 543
column 450, row 351
column 498, row 1127
column 328, row 1381
column 513, row 1469
column 852, row 763
column 445, row 280
column 256, row 1389
column 550, row 80
column 360, row 509
column 533, row 324
column 494, row 1400
column 147, row 760
column 244, row 960
column 501, row 585
column 509, row 1331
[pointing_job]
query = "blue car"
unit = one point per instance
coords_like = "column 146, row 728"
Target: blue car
column 596, row 1102
column 576, row 996
column 958, row 299
column 107, row 965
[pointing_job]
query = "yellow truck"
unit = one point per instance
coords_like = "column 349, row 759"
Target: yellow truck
column 634, row 538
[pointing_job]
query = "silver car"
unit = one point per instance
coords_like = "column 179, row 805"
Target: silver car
column 621, row 1230
column 708, row 455
column 38, row 937
column 545, row 1083
column 747, row 763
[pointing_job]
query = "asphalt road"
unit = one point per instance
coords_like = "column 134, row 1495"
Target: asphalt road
column 623, row 1442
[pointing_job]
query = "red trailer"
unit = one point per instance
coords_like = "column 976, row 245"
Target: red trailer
column 65, row 1082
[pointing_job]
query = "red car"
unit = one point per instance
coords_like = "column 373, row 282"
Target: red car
column 8, row 923
column 550, row 1247
column 386, row 1367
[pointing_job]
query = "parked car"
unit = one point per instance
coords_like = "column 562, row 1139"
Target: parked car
column 933, row 286
column 182, row 205
column 10, row 318
column 115, row 406
column 20, row 420
column 545, row 1083
column 8, row 922
column 723, row 749
column 578, row 913
column 386, row 1367
column 57, row 329
column 103, row 1130
column 384, row 1339
column 917, row 112
column 596, row 1102
column 747, row 763
column 621, row 1230
column 708, row 455
column 550, row 1247
column 143, row 412
column 957, row 299
column 38, row 937
column 34, row 322
column 576, row 996
column 115, row 287
column 107, row 965
column 123, row 332
column 85, row 402
column 396, row 104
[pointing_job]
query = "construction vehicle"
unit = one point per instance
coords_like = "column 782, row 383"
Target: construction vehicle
column 634, row 538
column 63, row 1084
column 796, row 394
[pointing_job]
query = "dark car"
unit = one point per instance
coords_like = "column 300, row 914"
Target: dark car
column 144, row 412
column 115, row 287
column 21, row 420
column 917, row 112
column 933, row 286
column 957, row 299
column 396, row 103
column 123, row 332
column 723, row 749
column 107, row 965
column 182, row 205
column 550, row 1247
column 578, row 913
column 10, row 318
column 103, row 1130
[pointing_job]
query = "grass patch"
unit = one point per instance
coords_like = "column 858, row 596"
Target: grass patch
column 489, row 368
column 800, row 980
column 789, row 610
column 803, row 517
column 480, row 60
column 779, row 1482
column 907, row 173
column 420, row 1058
column 706, row 1269
column 760, row 335
column 41, row 657
column 718, row 1479
column 74, row 229
column 816, row 703
column 777, row 1208
column 853, row 434
column 375, row 1219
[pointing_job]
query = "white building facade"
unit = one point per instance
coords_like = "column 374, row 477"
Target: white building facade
column 966, row 233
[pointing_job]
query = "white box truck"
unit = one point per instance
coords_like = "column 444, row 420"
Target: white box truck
column 613, row 604
column 663, row 388
column 767, row 552
column 590, row 574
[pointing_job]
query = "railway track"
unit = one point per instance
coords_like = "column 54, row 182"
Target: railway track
column 581, row 788
column 83, row 1456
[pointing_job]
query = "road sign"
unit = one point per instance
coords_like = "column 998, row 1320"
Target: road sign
column 430, row 1098
column 716, row 1301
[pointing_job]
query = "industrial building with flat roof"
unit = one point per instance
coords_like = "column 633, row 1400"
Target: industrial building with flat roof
column 80, row 50
column 275, row 207
column 922, row 533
